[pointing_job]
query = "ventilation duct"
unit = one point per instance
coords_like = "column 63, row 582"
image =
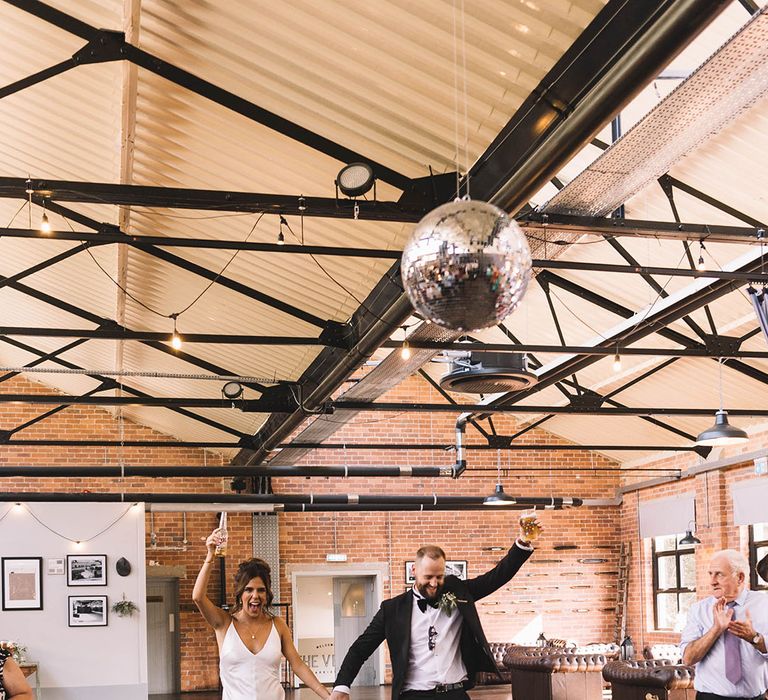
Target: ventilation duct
column 488, row 373
column 726, row 85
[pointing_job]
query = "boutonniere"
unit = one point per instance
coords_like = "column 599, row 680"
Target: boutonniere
column 447, row 603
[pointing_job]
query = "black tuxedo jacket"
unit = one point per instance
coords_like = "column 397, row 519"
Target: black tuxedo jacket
column 392, row 623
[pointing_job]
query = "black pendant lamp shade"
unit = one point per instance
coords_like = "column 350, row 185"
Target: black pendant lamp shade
column 721, row 433
column 498, row 498
column 689, row 538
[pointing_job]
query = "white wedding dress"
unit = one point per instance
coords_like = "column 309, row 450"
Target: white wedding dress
column 248, row 676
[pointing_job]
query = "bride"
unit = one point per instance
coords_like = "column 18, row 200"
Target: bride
column 252, row 640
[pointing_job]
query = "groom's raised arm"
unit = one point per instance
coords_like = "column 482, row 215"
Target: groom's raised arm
column 492, row 580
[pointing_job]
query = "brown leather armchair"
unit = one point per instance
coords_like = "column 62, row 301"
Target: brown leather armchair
column 549, row 674
column 649, row 679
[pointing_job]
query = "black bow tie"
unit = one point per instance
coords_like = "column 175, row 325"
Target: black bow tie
column 423, row 602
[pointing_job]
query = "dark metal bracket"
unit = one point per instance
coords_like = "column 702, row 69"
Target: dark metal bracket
column 722, row 345
column 106, row 46
column 339, row 335
column 588, row 399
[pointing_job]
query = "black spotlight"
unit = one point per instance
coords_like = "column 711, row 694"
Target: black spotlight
column 355, row 179
column 232, row 390
column 238, row 484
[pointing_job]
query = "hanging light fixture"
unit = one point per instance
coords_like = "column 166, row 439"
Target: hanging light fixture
column 617, row 361
column 45, row 225
column 175, row 338
column 700, row 264
column 498, row 497
column 722, row 432
column 405, row 349
column 689, row 537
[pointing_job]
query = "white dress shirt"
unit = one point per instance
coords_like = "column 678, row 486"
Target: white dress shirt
column 428, row 668
column 710, row 671
column 443, row 664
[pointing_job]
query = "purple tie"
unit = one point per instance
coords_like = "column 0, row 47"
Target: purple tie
column 732, row 653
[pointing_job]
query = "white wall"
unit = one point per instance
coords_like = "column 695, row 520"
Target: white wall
column 81, row 663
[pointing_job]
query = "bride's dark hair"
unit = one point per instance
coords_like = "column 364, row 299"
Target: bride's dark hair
column 245, row 572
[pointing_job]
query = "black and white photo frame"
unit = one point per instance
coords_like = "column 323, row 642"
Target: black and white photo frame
column 452, row 568
column 88, row 610
column 86, row 569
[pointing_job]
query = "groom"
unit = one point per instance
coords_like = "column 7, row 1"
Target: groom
column 435, row 640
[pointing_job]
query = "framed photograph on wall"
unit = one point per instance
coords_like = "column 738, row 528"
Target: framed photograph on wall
column 22, row 583
column 88, row 611
column 409, row 575
column 86, row 569
column 457, row 569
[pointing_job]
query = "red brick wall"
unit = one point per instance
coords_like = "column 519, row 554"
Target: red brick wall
column 574, row 599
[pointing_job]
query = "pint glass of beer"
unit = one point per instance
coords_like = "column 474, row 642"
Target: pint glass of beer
column 528, row 525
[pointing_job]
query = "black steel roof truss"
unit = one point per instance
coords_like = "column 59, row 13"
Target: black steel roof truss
column 94, row 318
column 621, row 250
column 105, row 45
column 553, row 313
column 541, row 223
column 136, row 392
column 217, row 200
column 716, row 203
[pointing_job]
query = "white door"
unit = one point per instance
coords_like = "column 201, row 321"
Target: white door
column 353, row 603
column 163, row 635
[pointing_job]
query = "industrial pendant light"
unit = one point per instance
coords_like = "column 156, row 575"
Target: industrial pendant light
column 722, row 432
column 498, row 497
column 689, row 537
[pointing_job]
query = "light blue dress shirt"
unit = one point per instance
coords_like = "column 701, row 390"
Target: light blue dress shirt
column 710, row 671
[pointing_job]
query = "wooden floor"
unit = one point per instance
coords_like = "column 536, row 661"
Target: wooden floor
column 382, row 692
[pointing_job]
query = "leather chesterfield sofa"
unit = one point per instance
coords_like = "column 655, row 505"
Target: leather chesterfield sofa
column 550, row 674
column 649, row 679
column 500, row 650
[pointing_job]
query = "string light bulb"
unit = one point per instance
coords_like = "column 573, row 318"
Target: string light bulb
column 617, row 362
column 405, row 350
column 45, row 225
column 175, row 338
column 281, row 235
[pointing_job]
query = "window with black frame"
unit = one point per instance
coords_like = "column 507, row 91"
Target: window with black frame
column 758, row 548
column 674, row 581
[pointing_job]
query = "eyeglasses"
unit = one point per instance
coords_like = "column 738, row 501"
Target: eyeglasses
column 431, row 638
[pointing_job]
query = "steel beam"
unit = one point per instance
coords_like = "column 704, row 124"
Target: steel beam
column 648, row 322
column 217, row 200
column 69, row 365
column 541, row 225
column 573, row 409
column 504, row 443
column 111, row 234
column 145, row 242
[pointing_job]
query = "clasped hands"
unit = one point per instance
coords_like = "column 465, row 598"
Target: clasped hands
column 723, row 620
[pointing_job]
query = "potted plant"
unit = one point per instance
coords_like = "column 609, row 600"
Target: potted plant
column 124, row 608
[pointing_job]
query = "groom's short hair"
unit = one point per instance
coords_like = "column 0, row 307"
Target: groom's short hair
column 430, row 551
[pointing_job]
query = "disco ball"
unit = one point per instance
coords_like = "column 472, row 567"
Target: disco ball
column 466, row 265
